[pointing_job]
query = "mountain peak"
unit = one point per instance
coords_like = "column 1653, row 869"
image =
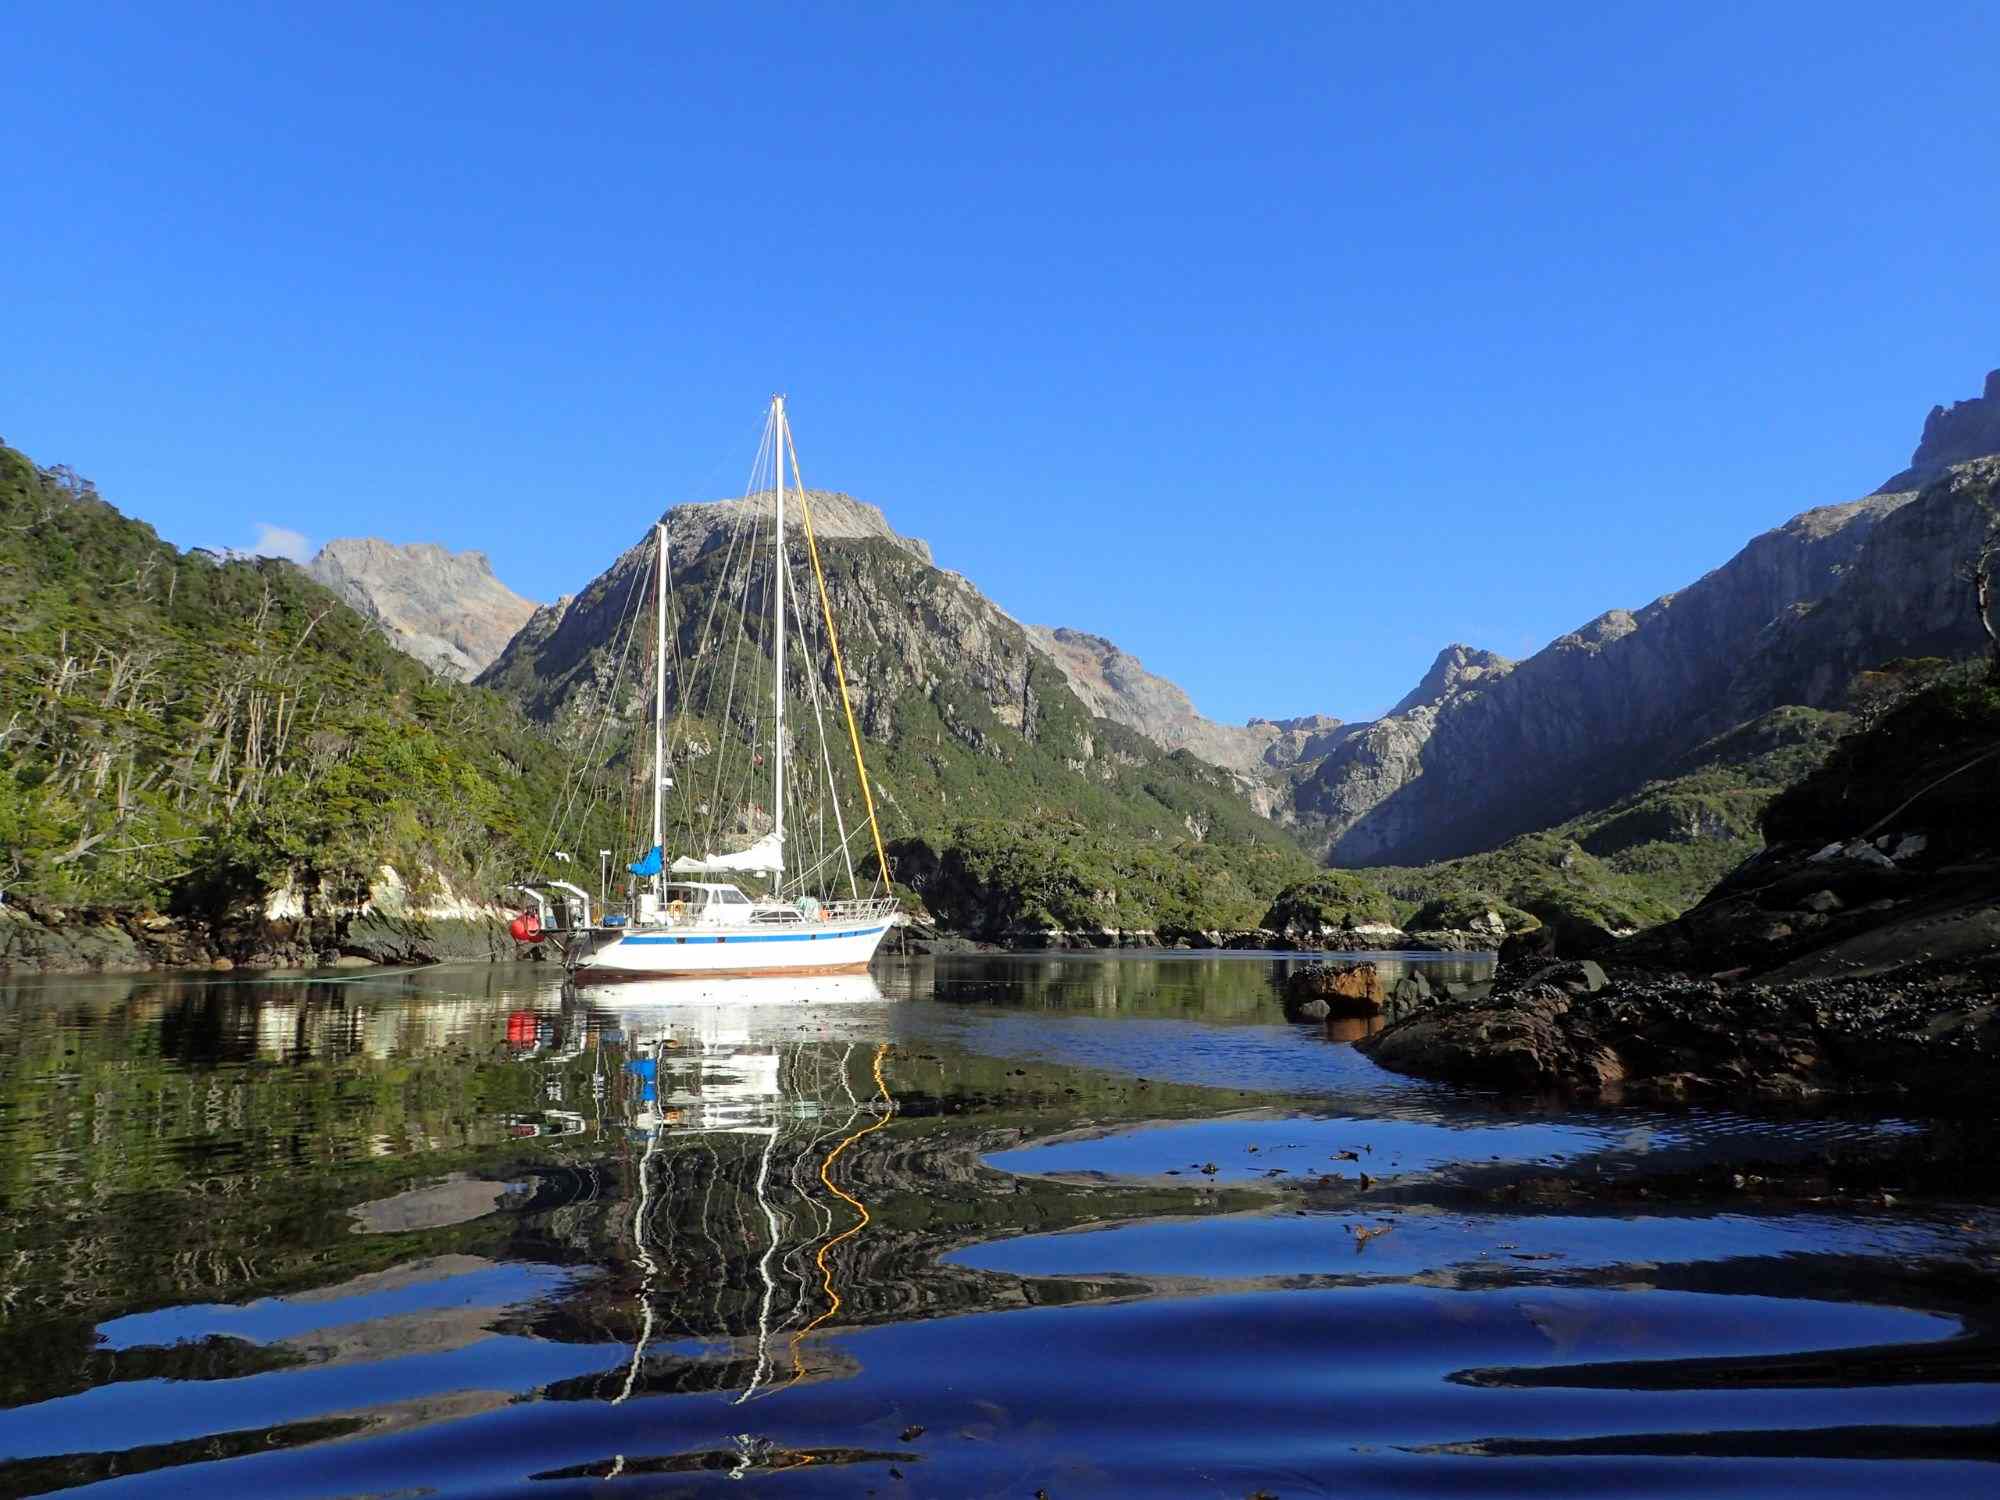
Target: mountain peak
column 1952, row 434
column 1455, row 666
column 445, row 608
column 700, row 526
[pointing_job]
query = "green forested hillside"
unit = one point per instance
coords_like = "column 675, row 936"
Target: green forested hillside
column 181, row 731
column 1644, row 859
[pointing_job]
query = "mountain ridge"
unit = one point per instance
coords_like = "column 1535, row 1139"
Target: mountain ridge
column 447, row 609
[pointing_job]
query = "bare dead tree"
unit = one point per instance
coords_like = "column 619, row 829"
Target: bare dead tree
column 1982, row 596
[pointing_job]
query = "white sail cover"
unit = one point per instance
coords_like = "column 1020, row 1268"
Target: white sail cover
column 765, row 857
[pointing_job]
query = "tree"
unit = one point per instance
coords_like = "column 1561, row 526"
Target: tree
column 1982, row 592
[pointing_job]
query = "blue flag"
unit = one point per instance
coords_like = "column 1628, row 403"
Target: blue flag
column 650, row 864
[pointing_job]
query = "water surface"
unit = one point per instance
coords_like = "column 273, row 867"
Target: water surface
column 1093, row 1225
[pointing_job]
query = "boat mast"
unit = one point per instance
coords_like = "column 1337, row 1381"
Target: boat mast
column 659, row 684
column 778, row 608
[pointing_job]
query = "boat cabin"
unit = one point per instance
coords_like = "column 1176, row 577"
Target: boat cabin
column 697, row 903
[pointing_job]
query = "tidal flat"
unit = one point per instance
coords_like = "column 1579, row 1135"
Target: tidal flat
column 992, row 1225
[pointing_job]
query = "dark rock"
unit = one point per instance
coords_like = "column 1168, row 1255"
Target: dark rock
column 1523, row 948
column 1577, row 977
column 1411, row 990
column 1932, row 1032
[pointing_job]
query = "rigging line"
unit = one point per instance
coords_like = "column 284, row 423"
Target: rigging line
column 764, row 1270
column 822, row 1216
column 827, row 859
column 595, row 746
column 839, row 668
column 559, row 817
column 860, row 1208
column 645, row 1256
column 573, row 782
column 823, row 1213
column 703, row 640
column 677, row 664
column 826, row 760
column 755, row 529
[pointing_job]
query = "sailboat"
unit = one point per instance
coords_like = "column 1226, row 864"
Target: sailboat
column 684, row 921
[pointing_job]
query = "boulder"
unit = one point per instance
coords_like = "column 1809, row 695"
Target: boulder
column 1576, row 977
column 1523, row 948
column 1345, row 989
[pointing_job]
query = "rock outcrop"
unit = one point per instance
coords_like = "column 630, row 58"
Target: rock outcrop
column 444, row 608
column 1319, row 991
column 1113, row 684
column 290, row 929
column 1953, row 434
column 1456, row 666
column 698, row 528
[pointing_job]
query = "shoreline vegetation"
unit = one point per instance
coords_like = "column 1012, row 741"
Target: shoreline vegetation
column 212, row 762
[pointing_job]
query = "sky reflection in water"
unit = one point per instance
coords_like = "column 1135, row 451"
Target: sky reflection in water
column 454, row 1231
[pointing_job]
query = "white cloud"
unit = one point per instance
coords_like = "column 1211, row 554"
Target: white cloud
column 281, row 541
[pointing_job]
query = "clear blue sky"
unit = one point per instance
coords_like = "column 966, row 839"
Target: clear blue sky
column 1281, row 344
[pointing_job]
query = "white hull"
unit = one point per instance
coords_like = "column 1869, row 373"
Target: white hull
column 733, row 1011
column 765, row 949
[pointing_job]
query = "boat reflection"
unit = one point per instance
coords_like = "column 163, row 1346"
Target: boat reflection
column 742, row 1128
column 762, row 997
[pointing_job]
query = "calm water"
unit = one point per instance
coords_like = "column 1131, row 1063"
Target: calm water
column 1089, row 1226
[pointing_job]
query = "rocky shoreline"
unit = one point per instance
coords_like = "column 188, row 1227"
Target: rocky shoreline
column 42, row 938
column 923, row 939
column 1856, row 971
column 1929, row 1035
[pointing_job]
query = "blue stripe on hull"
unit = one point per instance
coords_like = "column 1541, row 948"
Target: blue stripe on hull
column 775, row 937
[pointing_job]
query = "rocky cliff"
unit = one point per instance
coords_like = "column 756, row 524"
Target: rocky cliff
column 1484, row 751
column 1114, row 685
column 1953, row 434
column 444, row 608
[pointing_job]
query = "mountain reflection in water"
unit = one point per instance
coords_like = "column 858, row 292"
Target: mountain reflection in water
column 1089, row 1224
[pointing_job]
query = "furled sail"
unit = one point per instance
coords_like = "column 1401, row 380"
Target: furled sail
column 765, row 857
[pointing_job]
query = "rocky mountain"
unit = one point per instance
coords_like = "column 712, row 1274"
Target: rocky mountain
column 444, row 608
column 982, row 754
column 1114, row 685
column 1484, row 751
column 1456, row 666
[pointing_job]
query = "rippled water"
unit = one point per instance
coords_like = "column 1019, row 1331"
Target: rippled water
column 1089, row 1226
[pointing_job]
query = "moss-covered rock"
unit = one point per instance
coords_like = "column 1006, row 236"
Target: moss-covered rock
column 1472, row 911
column 1331, row 902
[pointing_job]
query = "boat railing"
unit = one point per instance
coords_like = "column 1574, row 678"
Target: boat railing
column 868, row 909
